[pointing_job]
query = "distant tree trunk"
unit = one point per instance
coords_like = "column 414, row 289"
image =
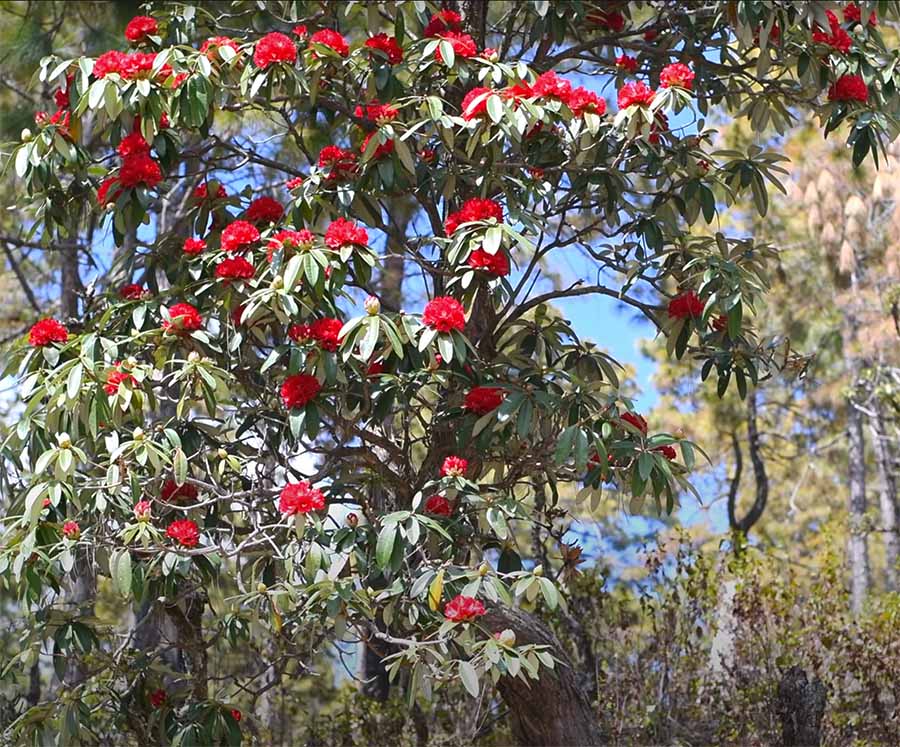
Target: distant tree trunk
column 856, row 473
column 887, row 497
column 801, row 706
column 759, row 473
column 554, row 710
column 81, row 596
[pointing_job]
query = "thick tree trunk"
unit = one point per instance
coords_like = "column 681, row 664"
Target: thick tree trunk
column 553, row 711
column 801, row 706
column 887, row 498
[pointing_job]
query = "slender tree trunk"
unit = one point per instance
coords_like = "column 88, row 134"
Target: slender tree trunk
column 887, row 498
column 858, row 541
column 81, row 596
column 800, row 703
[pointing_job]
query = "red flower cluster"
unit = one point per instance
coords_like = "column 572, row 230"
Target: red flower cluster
column 686, row 305
column 849, row 88
column 474, row 103
column 172, row 492
column 300, row 498
column 214, row 43
column 340, row 163
column 609, row 20
column 133, row 144
column 638, row 421
column 264, row 210
column 438, row 505
column 677, row 74
column 301, row 32
column 375, row 368
column 331, row 39
column 194, row 246
column 385, row 149
column 377, row 112
column 482, row 399
column 388, row 45
column 234, row 268
column 476, row 209
column 853, row 14
column 46, row 331
column 157, row 698
column 129, row 65
column 838, row 39
column 201, row 192
column 298, row 390
column 139, row 168
column 274, row 48
column 71, row 530
column 444, row 314
column 325, row 331
column 184, row 317
column 343, row 232
column 667, row 451
column 185, row 532
column 131, row 292
column 117, row 377
column 140, row 27
column 236, row 714
column 582, row 100
column 239, row 236
column 635, row 94
column 442, row 22
column 626, row 63
column 292, row 184
column 463, row 609
column 494, row 264
column 463, row 45
column 454, row 466
column 288, row 239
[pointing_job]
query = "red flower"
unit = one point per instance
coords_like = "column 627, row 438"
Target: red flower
column 582, row 100
column 298, row 390
column 474, row 103
column 300, row 332
column 139, row 168
column 494, row 264
column 626, row 63
column 332, row 39
column 326, row 332
column 610, row 20
column 550, row 85
column 172, row 492
column 140, row 27
column 340, row 163
column 379, row 113
column 438, row 505
column 184, row 318
column 264, row 210
column 142, row 511
column 288, row 239
column 375, row 368
column 388, row 45
column 133, row 144
column 476, row 209
column 667, row 451
column 482, row 399
column 131, row 292
column 214, row 43
column 273, row 48
column 849, row 88
column 234, row 268
column 236, row 714
column 108, row 62
column 300, row 498
column 385, row 149
column 140, row 65
column 116, row 377
column 292, row 184
column 660, row 124
column 301, row 32
column 444, row 314
column 686, row 305
column 46, row 331
column 238, row 236
column 631, row 94
column 632, row 418
column 490, row 54
column 463, row 45
column 157, row 698
column 201, row 192
column 185, row 532
column 343, row 232
column 463, row 609
column 838, row 39
column 103, row 195
column 71, row 530
column 522, row 90
column 442, row 22
column 677, row 74
column 194, row 246
column 454, row 466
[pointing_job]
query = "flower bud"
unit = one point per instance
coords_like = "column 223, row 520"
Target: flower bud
column 71, row 530
column 372, row 306
column 26, row 135
column 193, row 357
column 352, row 520
column 484, row 569
column 138, row 434
column 506, row 637
column 130, row 362
column 222, row 454
column 142, row 511
column 538, row 570
column 490, row 54
column 679, row 433
column 277, row 282
column 63, row 441
column 262, row 588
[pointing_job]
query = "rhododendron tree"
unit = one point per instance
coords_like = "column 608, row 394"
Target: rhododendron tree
column 362, row 322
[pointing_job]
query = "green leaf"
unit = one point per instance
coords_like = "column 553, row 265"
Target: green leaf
column 180, row 466
column 469, row 678
column 385, row 545
column 122, row 572
column 73, row 383
column 494, row 108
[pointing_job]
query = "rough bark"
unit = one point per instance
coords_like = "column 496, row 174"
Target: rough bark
column 858, row 549
column 554, row 710
column 887, row 498
column 801, row 706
